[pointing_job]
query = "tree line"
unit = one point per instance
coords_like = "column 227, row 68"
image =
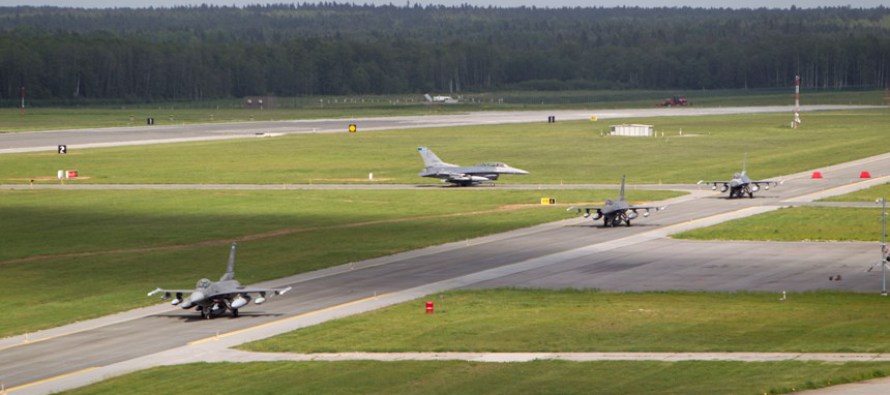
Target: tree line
column 209, row 52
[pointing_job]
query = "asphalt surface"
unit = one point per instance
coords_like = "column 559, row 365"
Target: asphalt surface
column 137, row 135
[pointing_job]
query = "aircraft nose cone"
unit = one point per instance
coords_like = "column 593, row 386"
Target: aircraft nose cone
column 518, row 171
column 196, row 297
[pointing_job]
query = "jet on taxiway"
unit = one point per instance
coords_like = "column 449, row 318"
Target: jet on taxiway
column 214, row 298
column 615, row 212
column 740, row 184
column 462, row 175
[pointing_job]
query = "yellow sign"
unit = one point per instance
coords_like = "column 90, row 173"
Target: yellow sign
column 352, row 128
column 548, row 201
column 593, row 118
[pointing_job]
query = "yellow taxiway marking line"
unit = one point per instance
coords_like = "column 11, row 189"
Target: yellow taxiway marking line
column 23, row 386
column 227, row 334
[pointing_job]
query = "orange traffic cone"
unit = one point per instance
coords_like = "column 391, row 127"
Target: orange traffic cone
column 864, row 174
column 817, row 174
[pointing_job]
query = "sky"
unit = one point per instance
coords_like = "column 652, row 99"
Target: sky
column 498, row 3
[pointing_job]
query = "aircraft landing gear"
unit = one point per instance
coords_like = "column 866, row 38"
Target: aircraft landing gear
column 235, row 313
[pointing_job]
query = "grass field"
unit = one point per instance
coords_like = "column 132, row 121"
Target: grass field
column 122, row 244
column 540, row 377
column 570, row 152
column 865, row 195
column 86, row 114
column 797, row 224
column 507, row 320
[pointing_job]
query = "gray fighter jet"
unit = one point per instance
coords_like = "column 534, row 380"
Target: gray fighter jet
column 615, row 212
column 462, row 175
column 214, row 298
column 740, row 184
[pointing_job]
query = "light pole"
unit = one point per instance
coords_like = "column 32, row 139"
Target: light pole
column 883, row 263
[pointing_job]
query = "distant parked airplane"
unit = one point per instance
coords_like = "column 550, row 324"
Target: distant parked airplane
column 462, row 175
column 615, row 212
column 440, row 99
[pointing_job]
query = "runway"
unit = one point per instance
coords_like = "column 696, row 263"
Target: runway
column 139, row 135
column 574, row 252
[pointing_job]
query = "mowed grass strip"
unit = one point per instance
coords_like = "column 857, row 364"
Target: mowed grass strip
column 457, row 377
column 73, row 255
column 797, row 224
column 866, row 195
column 511, row 320
column 710, row 147
column 53, row 222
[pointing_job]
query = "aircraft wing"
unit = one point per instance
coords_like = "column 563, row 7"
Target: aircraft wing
column 717, row 183
column 275, row 291
column 171, row 291
column 647, row 208
column 585, row 209
column 597, row 212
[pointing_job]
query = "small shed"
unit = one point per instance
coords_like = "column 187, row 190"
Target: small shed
column 633, row 130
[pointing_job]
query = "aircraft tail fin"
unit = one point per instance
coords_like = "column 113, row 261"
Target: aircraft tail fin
column 428, row 97
column 230, row 269
column 429, row 158
column 745, row 163
column 621, row 191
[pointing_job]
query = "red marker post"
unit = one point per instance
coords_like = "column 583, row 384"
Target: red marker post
column 429, row 307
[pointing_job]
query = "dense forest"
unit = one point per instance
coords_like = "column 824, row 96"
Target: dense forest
column 210, row 52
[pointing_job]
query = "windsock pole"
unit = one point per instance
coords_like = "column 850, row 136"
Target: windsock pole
column 796, row 122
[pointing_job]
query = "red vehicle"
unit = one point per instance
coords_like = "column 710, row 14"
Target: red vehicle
column 675, row 101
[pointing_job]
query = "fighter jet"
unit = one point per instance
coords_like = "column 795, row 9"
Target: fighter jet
column 214, row 298
column 615, row 212
column 462, row 175
column 740, row 184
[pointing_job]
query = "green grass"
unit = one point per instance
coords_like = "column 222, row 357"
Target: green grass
column 455, row 377
column 866, row 195
column 568, row 152
column 797, row 224
column 508, row 320
column 87, row 114
column 71, row 255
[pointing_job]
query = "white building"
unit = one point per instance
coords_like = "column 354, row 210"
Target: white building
column 632, row 130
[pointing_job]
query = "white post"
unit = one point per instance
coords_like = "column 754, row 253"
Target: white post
column 796, row 122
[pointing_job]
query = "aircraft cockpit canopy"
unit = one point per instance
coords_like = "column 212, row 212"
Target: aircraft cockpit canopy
column 203, row 283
